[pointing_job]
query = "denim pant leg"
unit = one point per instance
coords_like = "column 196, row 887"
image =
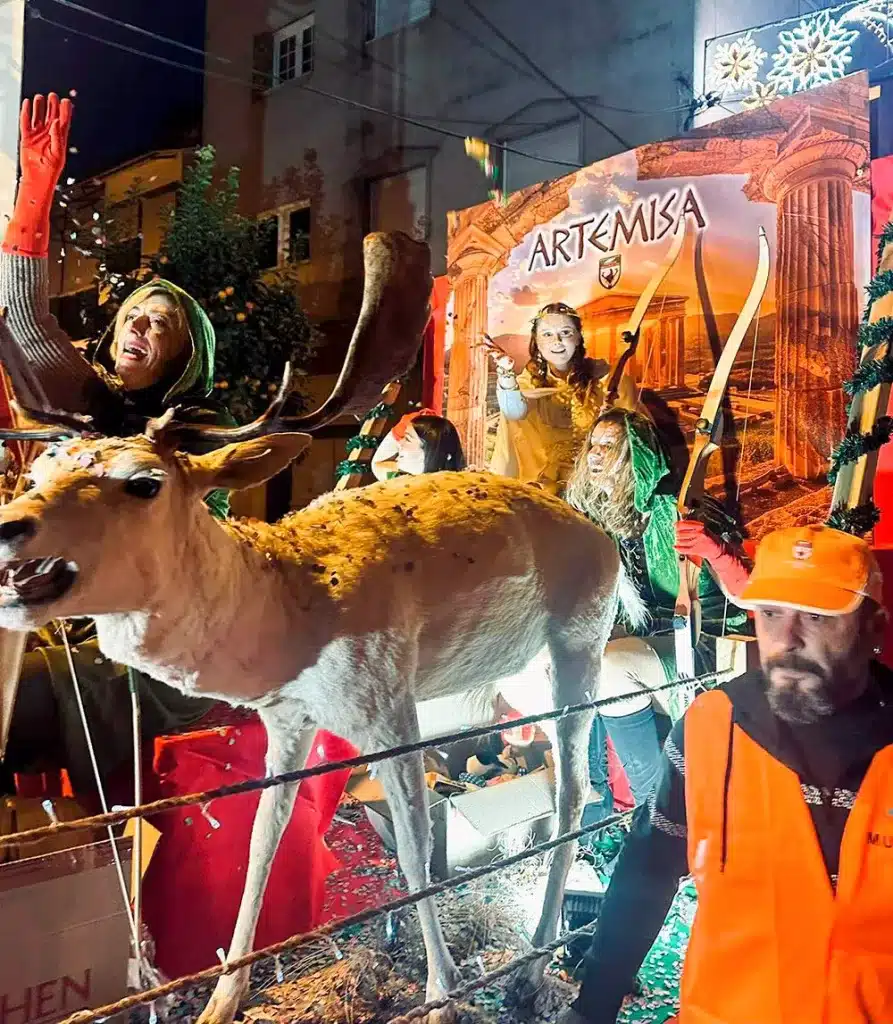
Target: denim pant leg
column 637, row 740
column 598, row 774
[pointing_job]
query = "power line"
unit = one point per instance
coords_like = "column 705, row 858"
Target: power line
column 141, row 31
column 37, row 13
column 542, row 74
column 479, row 43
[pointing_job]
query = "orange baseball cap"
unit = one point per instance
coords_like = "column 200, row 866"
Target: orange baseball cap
column 814, row 569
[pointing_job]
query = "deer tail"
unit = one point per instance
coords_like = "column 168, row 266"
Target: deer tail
column 633, row 610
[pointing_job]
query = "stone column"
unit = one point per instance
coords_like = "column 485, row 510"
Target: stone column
column 612, row 345
column 816, row 301
column 469, row 367
column 679, row 346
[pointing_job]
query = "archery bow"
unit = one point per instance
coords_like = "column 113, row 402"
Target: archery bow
column 631, row 331
column 708, row 437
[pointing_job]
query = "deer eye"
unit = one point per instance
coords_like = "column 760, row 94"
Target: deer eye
column 143, row 486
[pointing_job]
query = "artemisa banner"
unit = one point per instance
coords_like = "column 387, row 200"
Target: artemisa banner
column 798, row 168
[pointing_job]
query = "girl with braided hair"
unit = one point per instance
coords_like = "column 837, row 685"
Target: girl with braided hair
column 548, row 408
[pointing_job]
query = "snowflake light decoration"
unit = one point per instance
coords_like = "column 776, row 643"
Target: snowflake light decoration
column 736, row 65
column 814, row 53
column 761, row 95
column 875, row 15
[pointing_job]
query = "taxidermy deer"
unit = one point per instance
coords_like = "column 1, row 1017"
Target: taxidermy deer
column 341, row 616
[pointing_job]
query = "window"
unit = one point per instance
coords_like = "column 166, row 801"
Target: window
column 285, row 236
column 399, row 202
column 387, row 16
column 299, row 235
column 293, row 50
column 561, row 143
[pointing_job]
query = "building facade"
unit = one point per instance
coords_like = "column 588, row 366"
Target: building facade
column 297, row 110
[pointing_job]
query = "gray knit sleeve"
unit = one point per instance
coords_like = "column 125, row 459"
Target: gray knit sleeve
column 24, row 293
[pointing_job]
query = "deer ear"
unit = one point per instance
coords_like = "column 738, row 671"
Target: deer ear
column 246, row 463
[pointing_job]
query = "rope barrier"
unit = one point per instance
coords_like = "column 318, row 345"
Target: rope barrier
column 461, row 991
column 287, row 778
column 294, row 941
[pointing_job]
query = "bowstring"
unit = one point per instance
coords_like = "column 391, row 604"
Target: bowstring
column 753, row 360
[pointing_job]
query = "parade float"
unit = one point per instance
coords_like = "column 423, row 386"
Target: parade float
column 688, row 225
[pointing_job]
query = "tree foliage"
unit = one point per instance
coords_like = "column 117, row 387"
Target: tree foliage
column 217, row 255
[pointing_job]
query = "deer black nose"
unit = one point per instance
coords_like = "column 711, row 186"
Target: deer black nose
column 17, row 529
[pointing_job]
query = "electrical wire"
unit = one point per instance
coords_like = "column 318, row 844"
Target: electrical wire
column 35, row 12
column 546, row 78
column 141, row 31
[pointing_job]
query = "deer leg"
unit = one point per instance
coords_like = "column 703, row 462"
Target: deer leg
column 403, row 779
column 574, row 672
column 288, row 744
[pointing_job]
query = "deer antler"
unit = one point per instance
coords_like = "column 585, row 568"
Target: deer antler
column 385, row 343
column 167, row 430
column 62, row 425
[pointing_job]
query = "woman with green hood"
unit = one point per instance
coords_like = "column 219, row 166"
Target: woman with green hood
column 622, row 482
column 158, row 352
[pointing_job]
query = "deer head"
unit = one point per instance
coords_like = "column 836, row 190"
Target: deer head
column 107, row 517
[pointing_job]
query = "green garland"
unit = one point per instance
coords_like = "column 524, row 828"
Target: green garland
column 361, row 442
column 885, row 239
column 879, row 286
column 868, row 375
column 349, row 467
column 877, row 333
column 859, row 520
column 855, row 444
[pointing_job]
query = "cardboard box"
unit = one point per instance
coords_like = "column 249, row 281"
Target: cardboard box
column 65, row 937
column 466, row 829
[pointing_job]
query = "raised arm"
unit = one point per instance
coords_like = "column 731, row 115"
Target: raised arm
column 512, row 403
column 66, row 377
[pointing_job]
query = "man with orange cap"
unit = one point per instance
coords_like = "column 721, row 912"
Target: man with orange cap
column 776, row 795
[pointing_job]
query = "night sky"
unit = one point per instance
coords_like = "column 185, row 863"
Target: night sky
column 125, row 104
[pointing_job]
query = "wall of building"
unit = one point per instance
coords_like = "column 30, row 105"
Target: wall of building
column 295, row 145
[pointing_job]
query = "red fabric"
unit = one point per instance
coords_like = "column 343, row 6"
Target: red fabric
column 618, row 782
column 881, row 214
column 46, row 785
column 194, row 882
column 433, row 352
column 43, row 145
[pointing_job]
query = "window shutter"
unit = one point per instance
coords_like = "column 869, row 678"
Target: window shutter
column 263, row 63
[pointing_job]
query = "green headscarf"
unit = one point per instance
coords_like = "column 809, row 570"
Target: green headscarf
column 197, row 379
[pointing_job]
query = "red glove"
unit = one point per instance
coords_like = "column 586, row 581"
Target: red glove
column 696, row 542
column 399, row 428
column 43, row 145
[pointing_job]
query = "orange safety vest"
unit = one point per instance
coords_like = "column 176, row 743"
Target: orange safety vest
column 772, row 942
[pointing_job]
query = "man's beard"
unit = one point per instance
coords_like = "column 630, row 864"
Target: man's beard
column 791, row 700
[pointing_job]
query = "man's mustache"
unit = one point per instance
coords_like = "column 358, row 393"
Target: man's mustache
column 794, row 663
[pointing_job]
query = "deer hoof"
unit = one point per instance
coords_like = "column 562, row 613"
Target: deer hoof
column 445, row 1016
column 224, row 1004
column 524, row 989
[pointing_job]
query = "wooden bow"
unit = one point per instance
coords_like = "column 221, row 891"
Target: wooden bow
column 631, row 331
column 708, row 437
